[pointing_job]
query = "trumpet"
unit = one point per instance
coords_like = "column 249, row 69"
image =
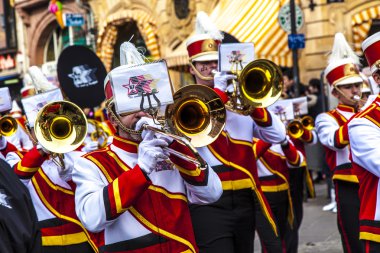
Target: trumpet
column 8, row 126
column 259, row 84
column 307, row 122
column 297, row 127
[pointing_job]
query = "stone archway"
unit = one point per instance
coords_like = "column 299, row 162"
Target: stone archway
column 361, row 23
column 108, row 33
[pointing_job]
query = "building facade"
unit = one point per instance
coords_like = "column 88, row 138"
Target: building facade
column 161, row 27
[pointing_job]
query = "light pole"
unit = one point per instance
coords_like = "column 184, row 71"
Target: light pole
column 294, row 50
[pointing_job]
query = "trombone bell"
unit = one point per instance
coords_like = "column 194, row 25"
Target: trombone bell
column 261, row 83
column 8, row 126
column 192, row 117
column 60, row 127
column 197, row 113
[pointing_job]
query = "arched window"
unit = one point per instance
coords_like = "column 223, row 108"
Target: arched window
column 124, row 33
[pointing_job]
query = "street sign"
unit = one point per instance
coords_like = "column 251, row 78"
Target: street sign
column 285, row 20
column 296, row 41
column 73, row 19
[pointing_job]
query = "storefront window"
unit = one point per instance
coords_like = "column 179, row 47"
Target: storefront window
column 60, row 39
column 7, row 26
column 53, row 46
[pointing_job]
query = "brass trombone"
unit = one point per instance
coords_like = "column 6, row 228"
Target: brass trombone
column 259, row 84
column 196, row 119
column 8, row 126
column 60, row 127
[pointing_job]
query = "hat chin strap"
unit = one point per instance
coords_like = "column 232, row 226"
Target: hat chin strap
column 206, row 78
column 132, row 132
column 354, row 100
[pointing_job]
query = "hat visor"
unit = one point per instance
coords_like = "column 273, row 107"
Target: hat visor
column 349, row 80
column 366, row 90
column 207, row 57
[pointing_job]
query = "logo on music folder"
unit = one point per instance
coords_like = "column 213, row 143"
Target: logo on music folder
column 141, row 85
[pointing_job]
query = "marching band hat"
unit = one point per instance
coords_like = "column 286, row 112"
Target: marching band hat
column 39, row 80
column 27, row 91
column 129, row 56
column 371, row 49
column 343, row 67
column 342, row 72
column 203, row 46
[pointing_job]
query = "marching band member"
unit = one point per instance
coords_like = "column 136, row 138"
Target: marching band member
column 20, row 138
column 274, row 167
column 298, row 178
column 364, row 135
column 50, row 185
column 345, row 82
column 129, row 191
column 7, row 129
column 228, row 225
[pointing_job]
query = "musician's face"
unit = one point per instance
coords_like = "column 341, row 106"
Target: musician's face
column 347, row 93
column 205, row 68
column 376, row 77
column 129, row 121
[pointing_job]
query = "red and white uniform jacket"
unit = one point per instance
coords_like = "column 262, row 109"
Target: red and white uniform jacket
column 261, row 124
column 273, row 166
column 5, row 148
column 333, row 134
column 309, row 137
column 273, row 169
column 53, row 200
column 242, row 129
column 140, row 213
column 364, row 132
column 232, row 155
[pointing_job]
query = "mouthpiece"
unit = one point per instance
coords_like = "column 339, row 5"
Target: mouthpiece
column 356, row 98
column 213, row 72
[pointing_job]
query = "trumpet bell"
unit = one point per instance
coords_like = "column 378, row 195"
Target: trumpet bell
column 307, row 122
column 261, row 83
column 8, row 126
column 197, row 113
column 60, row 127
column 295, row 129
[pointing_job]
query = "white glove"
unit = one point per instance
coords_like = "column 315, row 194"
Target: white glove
column 146, row 121
column 3, row 142
column 40, row 147
column 90, row 146
column 66, row 172
column 109, row 140
column 221, row 79
column 150, row 152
